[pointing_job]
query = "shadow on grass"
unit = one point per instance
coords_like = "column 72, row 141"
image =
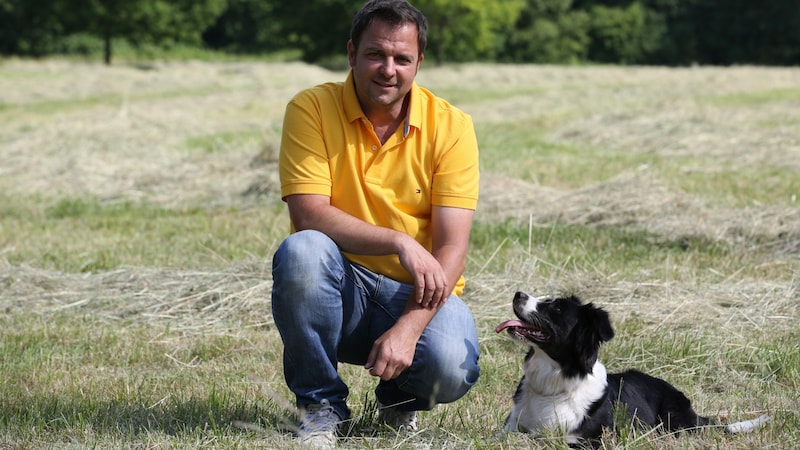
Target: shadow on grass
column 173, row 417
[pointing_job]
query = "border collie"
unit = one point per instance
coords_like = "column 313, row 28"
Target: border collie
column 566, row 389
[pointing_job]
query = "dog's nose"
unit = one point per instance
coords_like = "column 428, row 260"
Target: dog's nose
column 520, row 297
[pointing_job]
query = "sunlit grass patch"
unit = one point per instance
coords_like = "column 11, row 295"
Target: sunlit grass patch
column 737, row 186
column 606, row 250
column 225, row 141
column 756, row 98
column 84, row 234
column 522, row 151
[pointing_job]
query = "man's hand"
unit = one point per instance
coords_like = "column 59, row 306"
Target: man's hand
column 392, row 353
column 431, row 288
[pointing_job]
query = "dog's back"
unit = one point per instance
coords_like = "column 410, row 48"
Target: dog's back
column 653, row 401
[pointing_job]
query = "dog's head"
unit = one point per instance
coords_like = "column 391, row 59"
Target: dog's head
column 564, row 328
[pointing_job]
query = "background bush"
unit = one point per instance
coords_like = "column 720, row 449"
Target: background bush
column 653, row 32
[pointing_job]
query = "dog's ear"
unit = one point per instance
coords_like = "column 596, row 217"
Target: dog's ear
column 602, row 324
column 596, row 330
column 598, row 321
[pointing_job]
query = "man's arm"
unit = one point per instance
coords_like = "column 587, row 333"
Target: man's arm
column 432, row 284
column 393, row 352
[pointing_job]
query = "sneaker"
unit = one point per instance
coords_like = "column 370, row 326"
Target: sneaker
column 319, row 425
column 397, row 419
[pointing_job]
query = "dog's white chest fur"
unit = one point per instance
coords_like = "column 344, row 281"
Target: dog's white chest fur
column 547, row 400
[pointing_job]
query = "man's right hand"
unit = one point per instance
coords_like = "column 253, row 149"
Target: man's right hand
column 430, row 280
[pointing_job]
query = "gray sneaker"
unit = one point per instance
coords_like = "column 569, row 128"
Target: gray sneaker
column 390, row 416
column 319, row 425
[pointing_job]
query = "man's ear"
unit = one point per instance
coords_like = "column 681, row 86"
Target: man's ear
column 351, row 53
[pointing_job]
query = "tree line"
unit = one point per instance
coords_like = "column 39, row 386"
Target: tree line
column 655, row 32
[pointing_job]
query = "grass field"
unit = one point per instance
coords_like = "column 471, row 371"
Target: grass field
column 139, row 210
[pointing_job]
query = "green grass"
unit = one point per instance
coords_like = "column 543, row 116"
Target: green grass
column 739, row 187
column 222, row 142
column 521, row 150
column 129, row 324
column 87, row 235
column 757, row 98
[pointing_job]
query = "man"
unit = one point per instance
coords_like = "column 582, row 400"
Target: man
column 381, row 181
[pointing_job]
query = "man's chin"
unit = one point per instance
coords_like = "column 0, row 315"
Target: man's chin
column 386, row 98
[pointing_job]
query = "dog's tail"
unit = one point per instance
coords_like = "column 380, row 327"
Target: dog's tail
column 747, row 426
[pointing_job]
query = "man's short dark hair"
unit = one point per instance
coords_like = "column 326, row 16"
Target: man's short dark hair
column 393, row 12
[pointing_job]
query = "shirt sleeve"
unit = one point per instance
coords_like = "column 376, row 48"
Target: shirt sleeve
column 303, row 161
column 456, row 180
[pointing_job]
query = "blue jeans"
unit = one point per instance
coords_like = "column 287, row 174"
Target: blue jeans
column 329, row 310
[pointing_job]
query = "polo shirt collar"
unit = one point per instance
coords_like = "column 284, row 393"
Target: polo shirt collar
column 353, row 111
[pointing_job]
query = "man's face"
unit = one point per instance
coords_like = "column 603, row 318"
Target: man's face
column 384, row 66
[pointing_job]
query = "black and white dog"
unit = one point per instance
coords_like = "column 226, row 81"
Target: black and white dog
column 566, row 389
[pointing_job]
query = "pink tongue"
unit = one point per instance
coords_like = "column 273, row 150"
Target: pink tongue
column 508, row 324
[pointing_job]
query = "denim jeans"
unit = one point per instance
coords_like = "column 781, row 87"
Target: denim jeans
column 329, row 310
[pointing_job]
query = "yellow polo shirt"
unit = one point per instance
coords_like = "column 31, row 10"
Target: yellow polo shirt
column 328, row 147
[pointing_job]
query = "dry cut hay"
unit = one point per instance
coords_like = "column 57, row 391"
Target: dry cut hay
column 120, row 133
column 639, row 200
column 188, row 301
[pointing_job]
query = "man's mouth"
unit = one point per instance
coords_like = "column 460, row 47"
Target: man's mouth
column 385, row 84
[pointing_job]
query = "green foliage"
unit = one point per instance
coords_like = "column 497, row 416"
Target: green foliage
column 671, row 32
column 319, row 28
column 251, row 26
column 548, row 31
column 31, row 27
column 39, row 27
column 617, row 34
column 467, row 30
column 165, row 22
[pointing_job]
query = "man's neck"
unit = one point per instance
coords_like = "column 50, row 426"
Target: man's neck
column 386, row 122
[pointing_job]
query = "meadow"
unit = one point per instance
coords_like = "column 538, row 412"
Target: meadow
column 139, row 209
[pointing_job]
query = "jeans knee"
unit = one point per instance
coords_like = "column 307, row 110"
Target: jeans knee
column 447, row 375
column 301, row 252
column 301, row 246
column 304, row 263
column 456, row 379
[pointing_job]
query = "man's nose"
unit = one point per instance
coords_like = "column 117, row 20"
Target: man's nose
column 388, row 67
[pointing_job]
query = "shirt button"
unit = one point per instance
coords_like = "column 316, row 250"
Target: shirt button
column 374, row 147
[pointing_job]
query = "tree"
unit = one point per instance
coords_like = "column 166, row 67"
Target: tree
column 619, row 35
column 144, row 21
column 548, row 31
column 250, row 26
column 319, row 28
column 467, row 30
column 459, row 30
column 741, row 31
column 30, row 27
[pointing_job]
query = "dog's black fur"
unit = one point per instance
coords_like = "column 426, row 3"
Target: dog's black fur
column 566, row 388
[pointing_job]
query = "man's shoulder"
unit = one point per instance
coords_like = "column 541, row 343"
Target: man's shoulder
column 321, row 92
column 437, row 103
column 444, row 112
